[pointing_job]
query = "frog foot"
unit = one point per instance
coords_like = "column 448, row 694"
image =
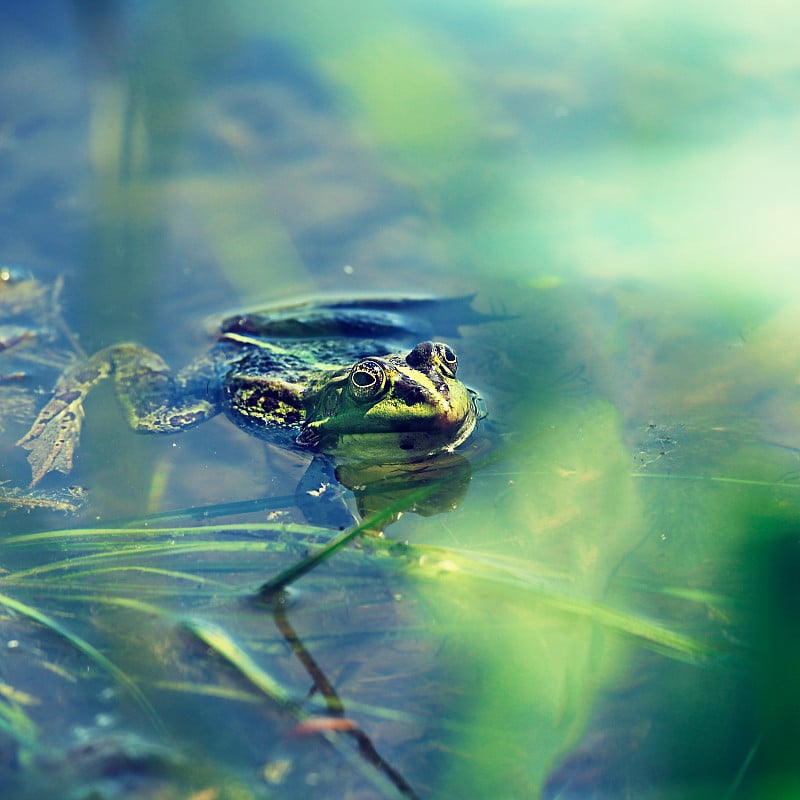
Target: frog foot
column 52, row 439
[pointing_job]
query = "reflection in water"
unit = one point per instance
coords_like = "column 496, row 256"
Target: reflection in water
column 378, row 486
column 336, row 709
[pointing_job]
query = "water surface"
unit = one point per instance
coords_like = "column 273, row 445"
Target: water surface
column 609, row 608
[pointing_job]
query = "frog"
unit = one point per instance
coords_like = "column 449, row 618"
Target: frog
column 338, row 378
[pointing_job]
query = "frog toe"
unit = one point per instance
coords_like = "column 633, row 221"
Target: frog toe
column 52, row 441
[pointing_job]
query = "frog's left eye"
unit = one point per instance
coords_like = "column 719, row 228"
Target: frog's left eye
column 447, row 358
column 367, row 380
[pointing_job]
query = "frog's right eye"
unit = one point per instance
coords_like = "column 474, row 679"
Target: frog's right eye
column 448, row 360
column 367, row 380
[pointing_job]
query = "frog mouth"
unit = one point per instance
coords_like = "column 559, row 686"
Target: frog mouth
column 406, row 443
column 443, row 409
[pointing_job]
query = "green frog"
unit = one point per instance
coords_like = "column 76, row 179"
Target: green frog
column 337, row 378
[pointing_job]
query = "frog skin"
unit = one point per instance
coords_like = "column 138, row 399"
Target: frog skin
column 307, row 377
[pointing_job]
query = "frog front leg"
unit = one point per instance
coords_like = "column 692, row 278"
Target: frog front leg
column 153, row 399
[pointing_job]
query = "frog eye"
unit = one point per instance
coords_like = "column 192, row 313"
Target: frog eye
column 447, row 358
column 434, row 354
column 367, row 380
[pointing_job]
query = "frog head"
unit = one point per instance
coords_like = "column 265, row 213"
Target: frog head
column 395, row 408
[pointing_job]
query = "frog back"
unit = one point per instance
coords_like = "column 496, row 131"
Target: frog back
column 341, row 331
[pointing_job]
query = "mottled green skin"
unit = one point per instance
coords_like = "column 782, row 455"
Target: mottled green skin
column 309, row 379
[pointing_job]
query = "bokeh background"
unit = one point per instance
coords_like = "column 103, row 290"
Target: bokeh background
column 617, row 186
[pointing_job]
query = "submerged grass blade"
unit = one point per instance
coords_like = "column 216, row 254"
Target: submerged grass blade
column 64, row 535
column 738, row 780
column 316, row 703
column 219, row 641
column 353, row 751
column 426, row 561
column 633, row 625
column 441, row 562
column 208, row 690
column 87, row 649
column 668, row 476
column 274, row 585
column 172, row 574
column 212, row 511
column 16, row 724
column 145, row 551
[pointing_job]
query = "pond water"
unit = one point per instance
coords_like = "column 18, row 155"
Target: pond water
column 600, row 599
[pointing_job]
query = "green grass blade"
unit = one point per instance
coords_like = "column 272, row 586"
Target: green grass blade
column 17, row 725
column 145, row 551
column 212, row 511
column 175, row 575
column 270, row 588
column 87, row 649
column 669, row 476
column 219, row 641
column 64, row 535
column 440, row 563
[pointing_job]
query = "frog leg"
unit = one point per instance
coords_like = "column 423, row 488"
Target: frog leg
column 153, row 399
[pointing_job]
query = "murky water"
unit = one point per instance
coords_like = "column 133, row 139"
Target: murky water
column 603, row 603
